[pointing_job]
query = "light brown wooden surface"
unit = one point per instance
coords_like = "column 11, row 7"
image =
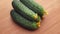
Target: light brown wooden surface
column 49, row 25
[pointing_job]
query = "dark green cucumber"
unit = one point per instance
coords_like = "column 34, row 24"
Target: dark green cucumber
column 23, row 21
column 34, row 6
column 22, row 9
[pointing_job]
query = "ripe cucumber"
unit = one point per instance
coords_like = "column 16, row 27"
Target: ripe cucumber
column 34, row 6
column 25, row 11
column 31, row 25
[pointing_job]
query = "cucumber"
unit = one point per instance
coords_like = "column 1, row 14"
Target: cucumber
column 34, row 6
column 31, row 25
column 25, row 11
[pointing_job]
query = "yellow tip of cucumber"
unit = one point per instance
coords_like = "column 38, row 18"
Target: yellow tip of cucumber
column 36, row 16
column 46, row 12
column 38, row 24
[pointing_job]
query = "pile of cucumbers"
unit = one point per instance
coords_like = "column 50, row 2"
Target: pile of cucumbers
column 27, row 13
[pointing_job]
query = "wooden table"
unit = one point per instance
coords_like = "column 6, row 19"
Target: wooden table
column 49, row 25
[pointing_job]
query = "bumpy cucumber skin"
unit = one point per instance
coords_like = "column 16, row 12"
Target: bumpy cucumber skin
column 23, row 22
column 25, row 11
column 34, row 6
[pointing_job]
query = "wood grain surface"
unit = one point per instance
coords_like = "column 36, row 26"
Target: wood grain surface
column 49, row 25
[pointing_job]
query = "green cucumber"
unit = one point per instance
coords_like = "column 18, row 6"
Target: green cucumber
column 34, row 6
column 31, row 25
column 25, row 11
